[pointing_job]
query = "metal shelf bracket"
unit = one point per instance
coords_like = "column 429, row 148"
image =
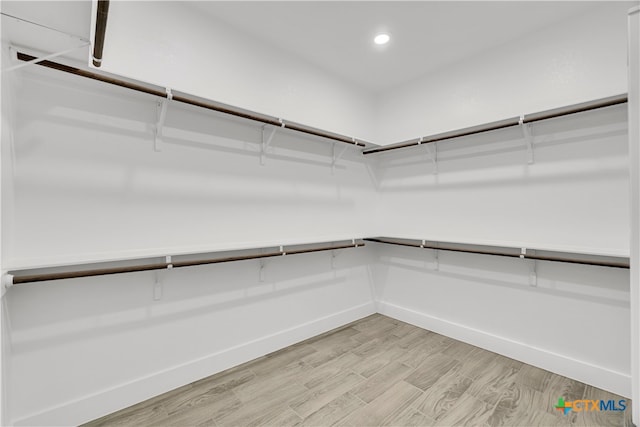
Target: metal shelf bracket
column 266, row 140
column 162, row 115
column 533, row 267
column 433, row 154
column 528, row 139
column 335, row 157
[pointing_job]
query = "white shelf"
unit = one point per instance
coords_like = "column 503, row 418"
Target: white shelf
column 612, row 252
column 12, row 264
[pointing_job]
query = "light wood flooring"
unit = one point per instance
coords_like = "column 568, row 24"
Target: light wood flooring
column 373, row 372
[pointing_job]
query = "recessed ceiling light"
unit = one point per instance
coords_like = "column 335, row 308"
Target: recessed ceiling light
column 381, row 39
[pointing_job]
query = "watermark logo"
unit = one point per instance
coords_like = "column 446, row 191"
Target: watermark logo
column 585, row 405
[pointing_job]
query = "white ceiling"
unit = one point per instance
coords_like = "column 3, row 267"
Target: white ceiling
column 338, row 35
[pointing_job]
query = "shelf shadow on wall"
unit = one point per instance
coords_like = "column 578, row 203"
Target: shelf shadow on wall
column 431, row 272
column 591, row 135
column 152, row 320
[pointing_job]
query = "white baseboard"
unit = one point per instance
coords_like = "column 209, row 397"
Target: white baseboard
column 113, row 399
column 598, row 376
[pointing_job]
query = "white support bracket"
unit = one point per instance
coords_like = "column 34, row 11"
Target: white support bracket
column 44, row 58
column 528, row 139
column 533, row 267
column 282, row 251
column 157, row 287
column 7, row 282
column 266, row 140
column 335, row 157
column 533, row 273
column 162, row 115
column 433, row 153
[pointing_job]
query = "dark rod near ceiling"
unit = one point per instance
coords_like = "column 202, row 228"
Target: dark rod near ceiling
column 20, row 278
column 610, row 262
column 101, row 31
column 506, row 123
column 198, row 102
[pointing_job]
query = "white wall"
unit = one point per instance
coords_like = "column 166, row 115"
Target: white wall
column 634, row 161
column 84, row 184
column 573, row 61
column 574, row 197
column 88, row 185
column 183, row 49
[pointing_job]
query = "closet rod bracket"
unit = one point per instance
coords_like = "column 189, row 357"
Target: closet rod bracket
column 528, row 139
column 36, row 60
column 433, row 154
column 267, row 137
column 162, row 115
column 261, row 273
column 7, row 282
column 335, row 157
column 533, row 266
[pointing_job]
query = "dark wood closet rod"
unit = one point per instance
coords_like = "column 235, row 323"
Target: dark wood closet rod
column 19, row 278
column 501, row 124
column 101, row 30
column 198, row 102
column 612, row 263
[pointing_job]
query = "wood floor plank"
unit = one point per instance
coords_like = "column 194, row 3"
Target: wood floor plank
column 443, row 394
column 403, row 329
column 493, row 382
column 430, row 370
column 319, row 396
column 467, row 411
column 370, row 366
column 411, row 417
column 202, row 393
column 517, row 404
column 327, row 352
column 428, row 346
column 476, row 362
column 204, row 409
column 334, row 411
column 256, row 408
column 340, row 364
column 280, row 359
column 271, row 383
column 386, row 407
column 377, row 384
column 415, row 337
column 280, row 416
column 535, row 378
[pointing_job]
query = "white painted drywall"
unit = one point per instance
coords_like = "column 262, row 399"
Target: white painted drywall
column 574, row 197
column 188, row 51
column 89, row 186
column 634, row 164
column 575, row 60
